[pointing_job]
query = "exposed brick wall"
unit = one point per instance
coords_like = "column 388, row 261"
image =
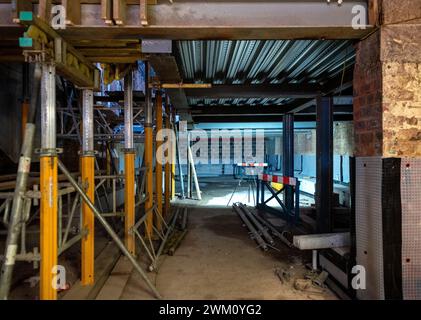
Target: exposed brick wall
column 368, row 98
column 402, row 109
column 402, row 11
column 401, row 69
column 387, row 93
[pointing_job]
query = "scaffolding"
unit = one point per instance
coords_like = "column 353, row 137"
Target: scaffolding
column 68, row 205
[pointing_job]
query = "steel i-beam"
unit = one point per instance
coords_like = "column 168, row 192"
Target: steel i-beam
column 288, row 158
column 159, row 159
column 88, row 180
column 324, row 151
column 48, row 184
column 129, row 163
column 148, row 155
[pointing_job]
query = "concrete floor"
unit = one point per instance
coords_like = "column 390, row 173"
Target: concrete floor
column 217, row 260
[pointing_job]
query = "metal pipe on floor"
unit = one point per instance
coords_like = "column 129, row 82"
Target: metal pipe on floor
column 20, row 189
column 184, row 220
column 170, row 229
column 258, row 225
column 48, row 184
column 255, row 235
column 129, row 164
column 275, row 232
column 177, row 243
column 108, row 228
column 88, row 181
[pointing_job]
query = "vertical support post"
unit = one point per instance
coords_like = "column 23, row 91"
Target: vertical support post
column 48, row 184
column 143, row 12
column 297, row 203
column 159, row 160
column 257, row 192
column 189, row 173
column 88, row 181
column 193, row 173
column 44, row 10
column 167, row 205
column 178, row 160
column 129, row 164
column 314, row 262
column 148, row 155
column 106, row 11
column 173, row 158
column 324, row 151
column 288, row 158
column 24, row 119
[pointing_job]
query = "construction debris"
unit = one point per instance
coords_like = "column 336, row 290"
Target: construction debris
column 321, row 279
column 308, row 286
column 283, row 275
column 302, row 284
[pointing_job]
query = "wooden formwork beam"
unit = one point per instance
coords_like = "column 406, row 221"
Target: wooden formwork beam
column 143, row 10
column 69, row 61
column 73, row 11
column 44, row 10
column 119, row 12
column 107, row 11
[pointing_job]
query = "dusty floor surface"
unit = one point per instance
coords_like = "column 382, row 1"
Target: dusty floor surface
column 217, row 260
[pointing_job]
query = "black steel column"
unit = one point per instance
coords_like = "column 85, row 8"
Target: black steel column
column 288, row 157
column 324, row 153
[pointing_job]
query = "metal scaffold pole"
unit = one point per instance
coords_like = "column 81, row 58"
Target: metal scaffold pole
column 148, row 156
column 176, row 148
column 173, row 158
column 129, row 163
column 20, row 189
column 109, row 229
column 159, row 160
column 167, row 205
column 48, row 184
column 88, row 182
column 193, row 173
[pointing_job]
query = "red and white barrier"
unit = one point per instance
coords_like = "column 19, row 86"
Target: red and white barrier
column 253, row 165
column 279, row 179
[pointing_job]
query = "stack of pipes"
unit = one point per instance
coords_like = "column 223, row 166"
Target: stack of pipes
column 261, row 230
